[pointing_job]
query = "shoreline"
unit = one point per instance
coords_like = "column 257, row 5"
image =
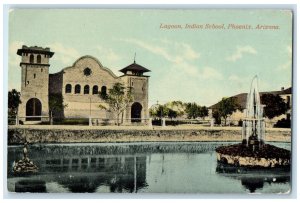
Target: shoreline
column 129, row 134
column 146, row 128
column 133, row 143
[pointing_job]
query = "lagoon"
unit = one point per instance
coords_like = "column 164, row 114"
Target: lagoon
column 147, row 167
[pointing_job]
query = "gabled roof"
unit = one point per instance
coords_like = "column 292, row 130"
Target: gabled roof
column 242, row 98
column 135, row 68
column 90, row 58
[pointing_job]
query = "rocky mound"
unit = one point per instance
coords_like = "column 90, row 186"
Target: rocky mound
column 265, row 151
column 25, row 166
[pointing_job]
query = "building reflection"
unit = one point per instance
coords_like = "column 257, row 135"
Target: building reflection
column 251, row 183
column 85, row 172
column 121, row 174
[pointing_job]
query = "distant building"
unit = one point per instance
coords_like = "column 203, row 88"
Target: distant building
column 79, row 85
column 285, row 94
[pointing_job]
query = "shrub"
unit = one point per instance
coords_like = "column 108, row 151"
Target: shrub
column 283, row 123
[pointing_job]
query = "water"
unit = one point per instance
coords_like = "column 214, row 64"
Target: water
column 189, row 167
column 253, row 123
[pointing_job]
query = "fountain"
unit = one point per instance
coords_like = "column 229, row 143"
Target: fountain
column 253, row 124
column 253, row 151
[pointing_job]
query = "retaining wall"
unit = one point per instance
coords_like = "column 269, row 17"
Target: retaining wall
column 16, row 135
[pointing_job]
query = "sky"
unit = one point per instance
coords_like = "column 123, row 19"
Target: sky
column 190, row 65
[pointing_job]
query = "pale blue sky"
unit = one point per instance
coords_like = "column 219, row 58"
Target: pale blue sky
column 189, row 65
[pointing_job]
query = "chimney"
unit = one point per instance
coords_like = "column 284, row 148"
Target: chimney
column 282, row 88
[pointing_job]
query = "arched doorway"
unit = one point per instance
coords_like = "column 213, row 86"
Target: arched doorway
column 136, row 112
column 33, row 108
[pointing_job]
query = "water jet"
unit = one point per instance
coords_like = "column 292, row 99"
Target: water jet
column 253, row 151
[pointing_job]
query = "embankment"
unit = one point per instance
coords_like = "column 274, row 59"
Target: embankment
column 61, row 134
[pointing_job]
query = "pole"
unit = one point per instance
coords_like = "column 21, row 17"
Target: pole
column 90, row 106
column 161, row 114
column 90, row 118
column 161, row 117
column 51, row 118
column 17, row 119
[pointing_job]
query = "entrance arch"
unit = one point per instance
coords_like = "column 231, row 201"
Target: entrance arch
column 136, row 112
column 33, row 108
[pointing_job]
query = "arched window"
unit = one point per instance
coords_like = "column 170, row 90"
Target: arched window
column 31, row 58
column 103, row 90
column 38, row 59
column 95, row 89
column 77, row 89
column 69, row 88
column 86, row 89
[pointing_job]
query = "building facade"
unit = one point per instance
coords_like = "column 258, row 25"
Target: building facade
column 79, row 85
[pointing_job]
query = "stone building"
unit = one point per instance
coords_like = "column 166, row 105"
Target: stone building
column 79, row 85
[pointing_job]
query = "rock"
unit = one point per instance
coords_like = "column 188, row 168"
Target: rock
column 265, row 156
column 25, row 166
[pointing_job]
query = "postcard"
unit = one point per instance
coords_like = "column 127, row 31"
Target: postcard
column 195, row 101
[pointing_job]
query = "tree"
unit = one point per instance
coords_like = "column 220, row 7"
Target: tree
column 56, row 105
column 217, row 117
column 13, row 102
column 177, row 106
column 193, row 110
column 275, row 105
column 153, row 112
column 226, row 107
column 172, row 113
column 203, row 111
column 160, row 111
column 118, row 98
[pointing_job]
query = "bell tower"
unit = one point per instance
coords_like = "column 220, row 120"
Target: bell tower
column 35, row 83
column 134, row 78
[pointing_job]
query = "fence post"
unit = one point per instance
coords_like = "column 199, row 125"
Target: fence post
column 17, row 120
column 212, row 122
column 150, row 123
column 164, row 122
column 51, row 118
column 90, row 121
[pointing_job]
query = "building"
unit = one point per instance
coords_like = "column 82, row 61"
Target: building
column 79, row 85
column 241, row 99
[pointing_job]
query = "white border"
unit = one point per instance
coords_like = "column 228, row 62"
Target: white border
column 139, row 4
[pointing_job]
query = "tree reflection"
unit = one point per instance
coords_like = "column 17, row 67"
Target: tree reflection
column 253, row 179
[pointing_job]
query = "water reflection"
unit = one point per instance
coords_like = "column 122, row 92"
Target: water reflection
column 30, row 185
column 120, row 174
column 140, row 167
column 254, row 179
